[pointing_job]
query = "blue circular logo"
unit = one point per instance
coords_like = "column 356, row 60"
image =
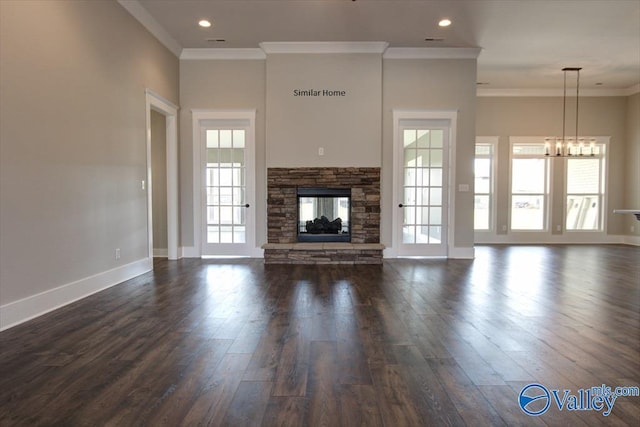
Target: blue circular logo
column 534, row 399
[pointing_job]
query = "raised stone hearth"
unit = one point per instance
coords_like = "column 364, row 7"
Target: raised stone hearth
column 282, row 216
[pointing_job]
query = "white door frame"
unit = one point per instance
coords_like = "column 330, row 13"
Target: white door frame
column 452, row 117
column 159, row 104
column 199, row 118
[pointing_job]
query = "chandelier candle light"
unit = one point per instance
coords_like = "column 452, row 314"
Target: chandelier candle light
column 569, row 147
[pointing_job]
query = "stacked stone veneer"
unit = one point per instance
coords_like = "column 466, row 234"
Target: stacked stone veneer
column 282, row 215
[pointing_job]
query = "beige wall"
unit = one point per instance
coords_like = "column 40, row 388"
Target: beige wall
column 220, row 85
column 159, row 179
column 346, row 127
column 73, row 76
column 429, row 84
column 405, row 84
column 542, row 116
column 632, row 165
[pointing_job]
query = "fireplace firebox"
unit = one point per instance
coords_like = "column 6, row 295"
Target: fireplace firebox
column 324, row 214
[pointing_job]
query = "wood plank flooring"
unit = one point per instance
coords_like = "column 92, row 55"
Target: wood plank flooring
column 408, row 343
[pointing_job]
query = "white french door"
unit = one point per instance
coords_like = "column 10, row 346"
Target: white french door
column 422, row 188
column 227, row 198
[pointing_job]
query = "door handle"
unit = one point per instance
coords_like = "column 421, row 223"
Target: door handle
column 247, row 205
column 400, row 205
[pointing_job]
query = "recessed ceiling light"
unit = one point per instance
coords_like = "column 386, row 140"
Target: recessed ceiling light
column 204, row 23
column 444, row 22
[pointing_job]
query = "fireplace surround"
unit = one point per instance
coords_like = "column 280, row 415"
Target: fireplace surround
column 283, row 185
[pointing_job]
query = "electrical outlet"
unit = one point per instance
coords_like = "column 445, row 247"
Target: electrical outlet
column 321, row 151
column 117, row 253
column 633, row 228
column 504, row 228
column 558, row 228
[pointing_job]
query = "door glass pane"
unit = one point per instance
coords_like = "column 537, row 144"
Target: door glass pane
column 435, row 235
column 436, row 196
column 408, row 234
column 213, row 234
column 436, row 177
column 437, row 138
column 409, row 196
column 409, row 138
column 239, row 234
column 435, row 216
column 226, row 234
column 423, row 138
column 436, row 158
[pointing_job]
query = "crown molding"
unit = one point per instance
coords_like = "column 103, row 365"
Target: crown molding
column 222, row 53
column 149, row 22
column 485, row 92
column 432, row 53
column 633, row 90
column 323, row 47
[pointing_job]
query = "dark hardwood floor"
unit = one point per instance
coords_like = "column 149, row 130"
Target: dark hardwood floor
column 408, row 343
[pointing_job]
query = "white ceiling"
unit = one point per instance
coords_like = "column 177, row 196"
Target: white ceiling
column 524, row 43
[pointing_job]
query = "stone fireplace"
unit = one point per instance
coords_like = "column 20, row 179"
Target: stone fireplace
column 284, row 188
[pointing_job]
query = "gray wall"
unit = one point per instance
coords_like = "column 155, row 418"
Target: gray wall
column 542, row 116
column 72, row 142
column 346, row 127
column 429, row 84
column 282, row 141
column 221, row 85
column 632, row 165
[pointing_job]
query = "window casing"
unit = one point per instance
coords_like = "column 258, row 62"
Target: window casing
column 484, row 181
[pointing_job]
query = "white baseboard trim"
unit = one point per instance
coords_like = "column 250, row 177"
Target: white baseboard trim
column 462, row 253
column 16, row 312
column 160, row 253
column 551, row 239
column 632, row 240
column 190, row 252
column 454, row 253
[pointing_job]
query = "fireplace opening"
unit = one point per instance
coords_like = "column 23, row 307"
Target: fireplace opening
column 324, row 214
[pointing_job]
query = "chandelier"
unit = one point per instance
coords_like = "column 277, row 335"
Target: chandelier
column 569, row 146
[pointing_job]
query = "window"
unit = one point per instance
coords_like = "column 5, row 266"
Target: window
column 529, row 187
column 484, row 167
column 579, row 185
column 585, row 191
